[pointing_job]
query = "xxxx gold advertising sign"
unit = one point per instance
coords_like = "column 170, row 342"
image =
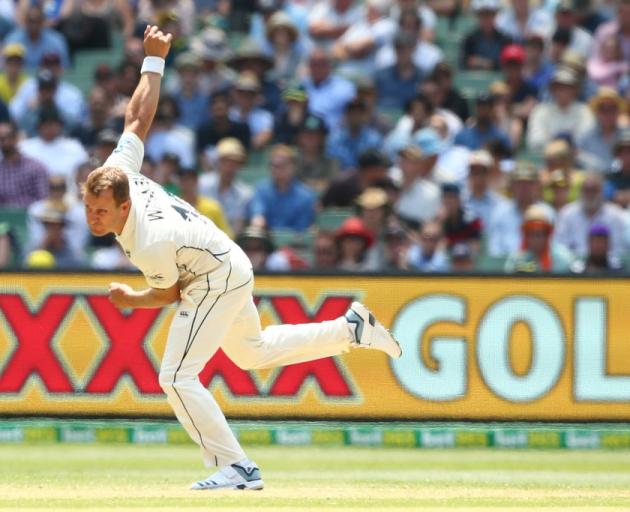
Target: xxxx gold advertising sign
column 474, row 348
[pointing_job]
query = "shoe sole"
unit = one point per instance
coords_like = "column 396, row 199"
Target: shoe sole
column 254, row 485
column 378, row 325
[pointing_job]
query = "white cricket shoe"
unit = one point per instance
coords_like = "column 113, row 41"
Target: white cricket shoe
column 235, row 476
column 368, row 332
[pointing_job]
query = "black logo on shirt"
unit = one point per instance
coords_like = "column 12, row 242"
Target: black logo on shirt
column 156, row 277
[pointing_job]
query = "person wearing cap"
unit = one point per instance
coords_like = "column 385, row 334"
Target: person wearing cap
column 452, row 162
column 37, row 39
column 519, row 19
column 599, row 259
column 478, row 197
column 328, row 21
column 257, row 244
column 67, row 97
column 563, row 114
column 246, row 110
column 281, row 201
column 617, row 187
column 398, row 82
column 482, row 128
column 538, row 252
column 397, row 244
column 458, row 223
column 223, row 184
column 373, row 208
column 595, row 147
column 54, row 240
column 429, row 254
column 354, row 239
column 504, row 229
column 576, row 218
column 566, row 19
column 265, row 9
column 23, row 180
column 284, row 47
column 560, row 156
column 523, row 96
column 13, row 75
column 557, row 190
column 347, row 141
column 313, row 167
column 291, row 116
column 618, row 27
column 480, row 50
column 192, row 101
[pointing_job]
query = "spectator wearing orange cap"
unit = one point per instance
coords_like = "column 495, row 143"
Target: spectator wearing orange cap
column 538, row 253
column 354, row 240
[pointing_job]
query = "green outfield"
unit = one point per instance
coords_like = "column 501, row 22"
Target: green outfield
column 151, row 477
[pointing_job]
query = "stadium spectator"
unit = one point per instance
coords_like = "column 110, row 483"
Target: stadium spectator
column 298, row 16
column 607, row 66
column 452, row 162
column 482, row 128
column 354, row 136
column 291, row 115
column 23, row 180
column 481, row 48
column 478, row 197
column 430, row 88
column 150, row 11
column 257, row 244
column 284, row 48
column 372, row 172
column 429, row 255
column 418, row 112
column 330, row 19
column 562, row 115
column 223, row 185
column 328, row 93
column 167, row 171
column 519, row 19
column 538, row 68
column 538, row 252
column 354, row 239
column 168, row 136
column 576, row 62
column 576, row 218
column 105, row 143
column 192, row 102
column 245, row 110
column 372, row 207
column 557, row 190
column 313, row 166
column 397, row 244
column 60, row 155
column 505, row 118
column 37, row 39
column 461, row 259
column 618, row 27
column 427, row 13
column 599, row 259
column 424, row 54
column 209, row 207
column 595, row 146
column 504, row 229
column 325, row 251
column 381, row 120
column 281, row 201
column 560, row 156
column 396, row 84
column 566, row 19
column 617, row 186
column 458, row 223
column 451, row 100
column 522, row 94
column 54, row 240
column 99, row 118
column 13, row 75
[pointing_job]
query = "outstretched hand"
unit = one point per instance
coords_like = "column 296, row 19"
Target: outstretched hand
column 119, row 295
column 156, row 42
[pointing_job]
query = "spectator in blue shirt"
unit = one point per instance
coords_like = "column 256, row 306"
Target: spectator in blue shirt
column 38, row 40
column 191, row 100
column 398, row 83
column 282, row 201
column 482, row 128
column 353, row 137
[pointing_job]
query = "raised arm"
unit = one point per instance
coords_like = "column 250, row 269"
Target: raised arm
column 143, row 104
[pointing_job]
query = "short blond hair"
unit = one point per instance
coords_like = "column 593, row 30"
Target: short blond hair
column 103, row 178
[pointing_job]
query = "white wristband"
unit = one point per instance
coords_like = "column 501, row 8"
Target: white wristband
column 153, row 65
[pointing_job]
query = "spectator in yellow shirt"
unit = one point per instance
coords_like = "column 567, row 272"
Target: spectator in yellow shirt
column 211, row 208
column 14, row 75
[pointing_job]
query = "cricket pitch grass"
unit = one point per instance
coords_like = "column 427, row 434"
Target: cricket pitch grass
column 153, row 477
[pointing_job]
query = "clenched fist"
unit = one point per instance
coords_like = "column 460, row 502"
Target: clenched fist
column 156, row 42
column 120, row 295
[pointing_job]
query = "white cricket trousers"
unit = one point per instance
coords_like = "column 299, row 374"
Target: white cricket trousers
column 221, row 313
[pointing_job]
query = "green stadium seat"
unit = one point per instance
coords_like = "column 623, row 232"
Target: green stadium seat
column 330, row 219
column 486, row 263
column 471, row 83
column 252, row 174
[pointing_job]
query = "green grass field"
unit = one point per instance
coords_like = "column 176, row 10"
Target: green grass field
column 151, row 477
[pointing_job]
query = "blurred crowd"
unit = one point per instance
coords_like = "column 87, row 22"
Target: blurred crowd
column 334, row 134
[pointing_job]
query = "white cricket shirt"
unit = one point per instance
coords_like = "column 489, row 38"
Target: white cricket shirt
column 164, row 236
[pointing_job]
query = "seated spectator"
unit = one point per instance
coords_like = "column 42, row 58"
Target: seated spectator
column 557, row 190
column 595, row 146
column 538, row 68
column 313, row 166
column 419, row 199
column 168, row 136
column 256, row 243
column 560, row 156
column 104, row 145
column 60, row 155
column 208, row 207
column 396, row 84
column 432, row 147
column 576, row 218
column 38, row 40
column 282, row 201
column 297, row 13
column 436, row 96
column 522, row 94
column 538, row 252
column 382, row 120
column 420, row 52
column 328, row 93
column 430, row 254
column 481, row 48
column 504, row 228
column 608, row 66
column 353, row 137
column 397, row 246
column 482, row 128
column 451, row 99
column 245, row 110
column 13, row 75
column 599, row 259
column 617, row 188
column 427, row 11
column 562, row 115
column 98, row 119
column 54, row 240
column 329, row 20
column 458, row 224
column 219, row 127
column 23, row 180
column 461, row 258
column 418, row 112
column 372, row 172
column 223, row 185
column 192, row 102
column 373, row 208
column 284, row 48
column 478, row 197
column 354, row 240
column 452, row 162
column 505, row 117
column 619, row 27
column 291, row 115
column 325, row 251
column 519, row 20
column 576, row 62
column 566, row 19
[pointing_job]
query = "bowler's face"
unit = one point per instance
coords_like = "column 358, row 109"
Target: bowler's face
column 102, row 214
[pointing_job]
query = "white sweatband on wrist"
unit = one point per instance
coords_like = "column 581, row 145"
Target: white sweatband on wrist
column 153, row 65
